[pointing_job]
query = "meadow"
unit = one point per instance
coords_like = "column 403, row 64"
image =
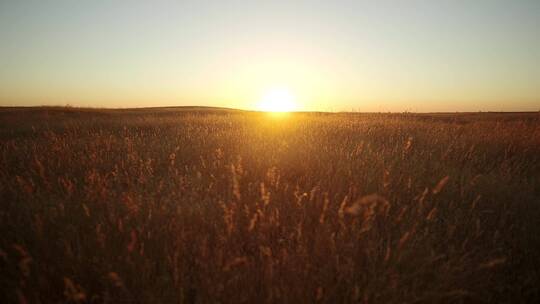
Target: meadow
column 194, row 205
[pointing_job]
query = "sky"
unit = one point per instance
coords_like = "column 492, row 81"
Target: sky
column 420, row 56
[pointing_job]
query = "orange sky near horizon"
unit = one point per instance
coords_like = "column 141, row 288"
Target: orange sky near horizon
column 419, row 56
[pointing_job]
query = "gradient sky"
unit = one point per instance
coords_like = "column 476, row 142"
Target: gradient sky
column 333, row 55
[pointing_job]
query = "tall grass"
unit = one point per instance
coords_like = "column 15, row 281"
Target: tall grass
column 197, row 207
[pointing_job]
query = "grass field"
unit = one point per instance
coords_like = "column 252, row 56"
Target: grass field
column 217, row 206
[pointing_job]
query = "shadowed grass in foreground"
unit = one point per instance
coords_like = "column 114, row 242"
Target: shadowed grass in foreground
column 103, row 206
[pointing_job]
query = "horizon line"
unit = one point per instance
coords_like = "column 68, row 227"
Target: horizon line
column 2, row 107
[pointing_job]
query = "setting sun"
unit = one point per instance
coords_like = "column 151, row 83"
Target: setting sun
column 255, row 151
column 277, row 100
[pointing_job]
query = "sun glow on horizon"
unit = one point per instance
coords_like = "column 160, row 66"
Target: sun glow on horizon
column 277, row 100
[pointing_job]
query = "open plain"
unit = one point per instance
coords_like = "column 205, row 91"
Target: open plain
column 201, row 205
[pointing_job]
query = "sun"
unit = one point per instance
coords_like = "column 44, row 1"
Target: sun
column 277, row 100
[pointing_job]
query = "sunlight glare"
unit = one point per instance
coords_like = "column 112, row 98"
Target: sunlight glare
column 277, row 100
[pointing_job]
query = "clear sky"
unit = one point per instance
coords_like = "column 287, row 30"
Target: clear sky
column 331, row 55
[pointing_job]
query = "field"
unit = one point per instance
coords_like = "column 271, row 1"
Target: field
column 219, row 206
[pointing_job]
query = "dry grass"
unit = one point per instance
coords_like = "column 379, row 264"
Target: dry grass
column 194, row 206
